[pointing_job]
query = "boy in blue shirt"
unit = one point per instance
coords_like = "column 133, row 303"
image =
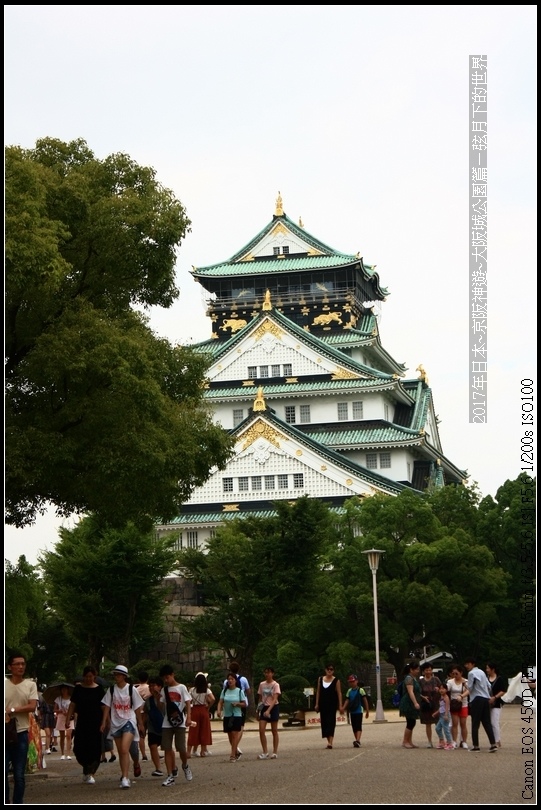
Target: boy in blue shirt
column 355, row 702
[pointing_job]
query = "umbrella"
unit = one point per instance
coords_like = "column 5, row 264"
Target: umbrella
column 54, row 690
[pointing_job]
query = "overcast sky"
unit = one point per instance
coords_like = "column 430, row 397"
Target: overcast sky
column 359, row 116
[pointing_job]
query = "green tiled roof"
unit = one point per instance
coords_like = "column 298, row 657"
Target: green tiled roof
column 384, row 434
column 313, row 387
column 263, row 267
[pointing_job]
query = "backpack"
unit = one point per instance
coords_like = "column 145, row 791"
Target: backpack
column 397, row 697
column 354, row 704
column 111, row 689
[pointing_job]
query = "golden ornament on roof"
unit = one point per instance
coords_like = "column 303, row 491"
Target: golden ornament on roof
column 259, row 402
column 279, row 212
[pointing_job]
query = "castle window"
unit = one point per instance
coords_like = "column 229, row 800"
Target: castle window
column 269, row 482
column 372, row 461
column 384, row 460
column 263, row 371
column 275, row 371
column 243, row 484
column 298, row 480
column 256, row 482
column 227, row 484
column 191, row 538
column 252, row 372
column 304, row 413
column 290, row 414
column 288, row 369
column 357, row 410
column 282, row 482
column 238, row 416
column 343, row 411
column 178, row 543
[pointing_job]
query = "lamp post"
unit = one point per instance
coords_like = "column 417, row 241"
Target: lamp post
column 373, row 562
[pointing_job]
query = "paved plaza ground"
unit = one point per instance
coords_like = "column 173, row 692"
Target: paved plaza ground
column 380, row 772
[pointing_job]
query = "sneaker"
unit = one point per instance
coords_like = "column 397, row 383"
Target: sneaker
column 62, row 757
column 68, row 757
column 48, row 751
column 232, row 759
column 54, row 750
column 273, row 756
column 136, row 769
column 455, row 745
column 356, row 744
column 475, row 748
column 493, row 748
column 85, row 778
column 169, row 781
column 157, row 773
column 145, row 759
column 449, row 747
column 112, row 758
column 125, row 783
column 440, row 745
column 238, row 752
column 464, row 745
column 187, row 773
column 429, row 745
column 175, row 772
column 90, row 780
column 196, row 754
column 262, row 756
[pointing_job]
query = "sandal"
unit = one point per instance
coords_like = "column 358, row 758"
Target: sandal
column 329, row 746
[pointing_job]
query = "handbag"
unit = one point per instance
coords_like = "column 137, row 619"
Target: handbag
column 174, row 714
column 11, row 732
column 456, row 705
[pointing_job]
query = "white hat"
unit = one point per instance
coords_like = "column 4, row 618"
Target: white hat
column 121, row 669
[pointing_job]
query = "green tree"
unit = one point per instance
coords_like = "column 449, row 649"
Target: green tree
column 507, row 526
column 24, row 604
column 255, row 573
column 106, row 586
column 102, row 416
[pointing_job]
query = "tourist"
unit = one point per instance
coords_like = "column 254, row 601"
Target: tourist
column 498, row 688
column 355, row 702
column 153, row 712
column 202, row 699
column 458, row 696
column 232, row 701
column 443, row 717
column 20, row 698
column 244, row 684
column 328, row 702
column 177, row 706
column 430, row 699
column 479, row 689
column 269, row 712
column 410, row 702
column 61, row 706
column 122, row 706
column 86, row 705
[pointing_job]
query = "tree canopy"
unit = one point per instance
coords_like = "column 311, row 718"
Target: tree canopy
column 102, row 415
column 105, row 585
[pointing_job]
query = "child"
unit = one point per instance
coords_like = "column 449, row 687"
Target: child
column 154, row 717
column 354, row 703
column 443, row 726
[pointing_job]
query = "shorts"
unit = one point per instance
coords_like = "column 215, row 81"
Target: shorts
column 154, row 739
column 274, row 714
column 127, row 728
column 237, row 724
column 176, row 734
column 356, row 721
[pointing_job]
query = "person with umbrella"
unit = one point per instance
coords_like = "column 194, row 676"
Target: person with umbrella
column 87, row 707
column 59, row 695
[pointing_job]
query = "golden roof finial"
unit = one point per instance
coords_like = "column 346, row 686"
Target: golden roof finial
column 279, row 206
column 259, row 401
column 267, row 302
column 301, row 223
column 422, row 373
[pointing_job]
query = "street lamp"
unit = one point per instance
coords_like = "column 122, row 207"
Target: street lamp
column 373, row 562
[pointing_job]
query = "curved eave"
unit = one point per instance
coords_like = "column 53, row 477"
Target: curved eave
column 316, row 244
column 448, row 466
column 362, row 439
column 308, row 389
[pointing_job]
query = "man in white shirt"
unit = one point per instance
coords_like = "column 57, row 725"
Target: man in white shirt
column 21, row 698
column 479, row 689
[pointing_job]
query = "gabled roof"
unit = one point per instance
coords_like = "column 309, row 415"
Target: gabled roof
column 308, row 253
column 303, row 335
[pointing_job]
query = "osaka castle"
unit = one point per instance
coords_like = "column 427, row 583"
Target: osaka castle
column 299, row 376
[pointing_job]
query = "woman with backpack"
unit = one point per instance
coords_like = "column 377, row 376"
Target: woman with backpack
column 122, row 706
column 410, row 702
